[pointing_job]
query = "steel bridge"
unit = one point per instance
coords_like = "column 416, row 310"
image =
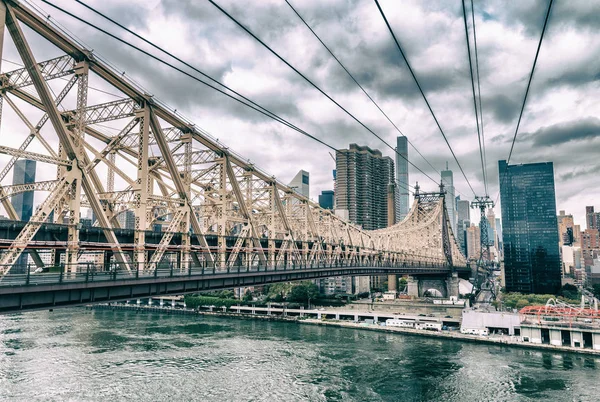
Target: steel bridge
column 204, row 217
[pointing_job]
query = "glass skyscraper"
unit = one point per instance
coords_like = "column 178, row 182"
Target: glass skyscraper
column 529, row 228
column 23, row 173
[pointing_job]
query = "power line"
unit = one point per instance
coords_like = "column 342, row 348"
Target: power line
column 315, row 86
column 537, row 53
column 359, row 85
column 474, row 97
column 265, row 111
column 422, row 93
column 479, row 95
column 194, row 68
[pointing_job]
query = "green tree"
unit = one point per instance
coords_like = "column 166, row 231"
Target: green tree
column 402, row 284
column 569, row 292
column 302, row 292
column 279, row 291
column 247, row 296
column 522, row 303
column 596, row 289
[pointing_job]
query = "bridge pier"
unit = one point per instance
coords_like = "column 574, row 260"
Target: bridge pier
column 412, row 286
column 452, row 285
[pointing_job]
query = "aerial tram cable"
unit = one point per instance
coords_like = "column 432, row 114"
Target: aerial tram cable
column 474, row 96
column 359, row 85
column 317, row 87
column 248, row 102
column 479, row 96
column 422, row 93
column 272, row 115
column 537, row 52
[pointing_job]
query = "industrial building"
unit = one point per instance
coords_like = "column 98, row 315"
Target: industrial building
column 561, row 325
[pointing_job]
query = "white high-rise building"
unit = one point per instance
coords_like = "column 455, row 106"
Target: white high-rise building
column 301, row 183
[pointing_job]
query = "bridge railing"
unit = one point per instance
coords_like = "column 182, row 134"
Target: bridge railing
column 93, row 272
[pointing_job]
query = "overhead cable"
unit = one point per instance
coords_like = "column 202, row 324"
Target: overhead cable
column 537, row 53
column 316, row 86
column 474, row 97
column 359, row 85
column 422, row 93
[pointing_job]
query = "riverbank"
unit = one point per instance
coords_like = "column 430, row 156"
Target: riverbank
column 451, row 335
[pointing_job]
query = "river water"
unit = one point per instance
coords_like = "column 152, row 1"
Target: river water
column 77, row 354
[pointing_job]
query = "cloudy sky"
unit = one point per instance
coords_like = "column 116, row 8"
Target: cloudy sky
column 560, row 123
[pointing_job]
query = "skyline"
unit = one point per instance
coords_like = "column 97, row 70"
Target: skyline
column 559, row 112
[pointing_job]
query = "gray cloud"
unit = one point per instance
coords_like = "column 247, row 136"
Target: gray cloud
column 556, row 134
column 432, row 34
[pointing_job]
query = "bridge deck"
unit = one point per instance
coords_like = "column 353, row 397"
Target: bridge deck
column 49, row 290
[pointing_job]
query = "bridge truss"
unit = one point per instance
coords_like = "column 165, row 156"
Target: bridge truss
column 212, row 206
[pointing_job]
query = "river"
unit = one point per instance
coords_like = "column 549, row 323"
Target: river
column 78, row 354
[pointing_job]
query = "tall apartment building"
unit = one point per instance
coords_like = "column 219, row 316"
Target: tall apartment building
column 361, row 185
column 530, row 228
column 448, row 181
column 592, row 219
column 473, row 242
column 402, row 203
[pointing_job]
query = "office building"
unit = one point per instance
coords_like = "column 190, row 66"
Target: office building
column 448, row 181
column 361, row 186
column 464, row 221
column 402, row 202
column 23, row 173
column 301, row 183
column 326, row 199
column 126, row 220
column 530, row 228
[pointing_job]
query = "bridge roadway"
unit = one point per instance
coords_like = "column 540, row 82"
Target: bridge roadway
column 33, row 291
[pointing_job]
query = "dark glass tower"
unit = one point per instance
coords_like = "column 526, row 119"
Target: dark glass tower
column 23, row 173
column 529, row 228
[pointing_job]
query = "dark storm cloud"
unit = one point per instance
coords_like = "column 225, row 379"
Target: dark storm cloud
column 572, row 131
column 504, row 108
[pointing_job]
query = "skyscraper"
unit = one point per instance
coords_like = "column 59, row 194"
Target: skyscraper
column 463, row 212
column 361, row 186
column 448, row 181
column 23, row 173
column 326, row 199
column 301, row 183
column 530, row 228
column 402, row 204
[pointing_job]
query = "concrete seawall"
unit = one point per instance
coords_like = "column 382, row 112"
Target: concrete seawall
column 451, row 335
